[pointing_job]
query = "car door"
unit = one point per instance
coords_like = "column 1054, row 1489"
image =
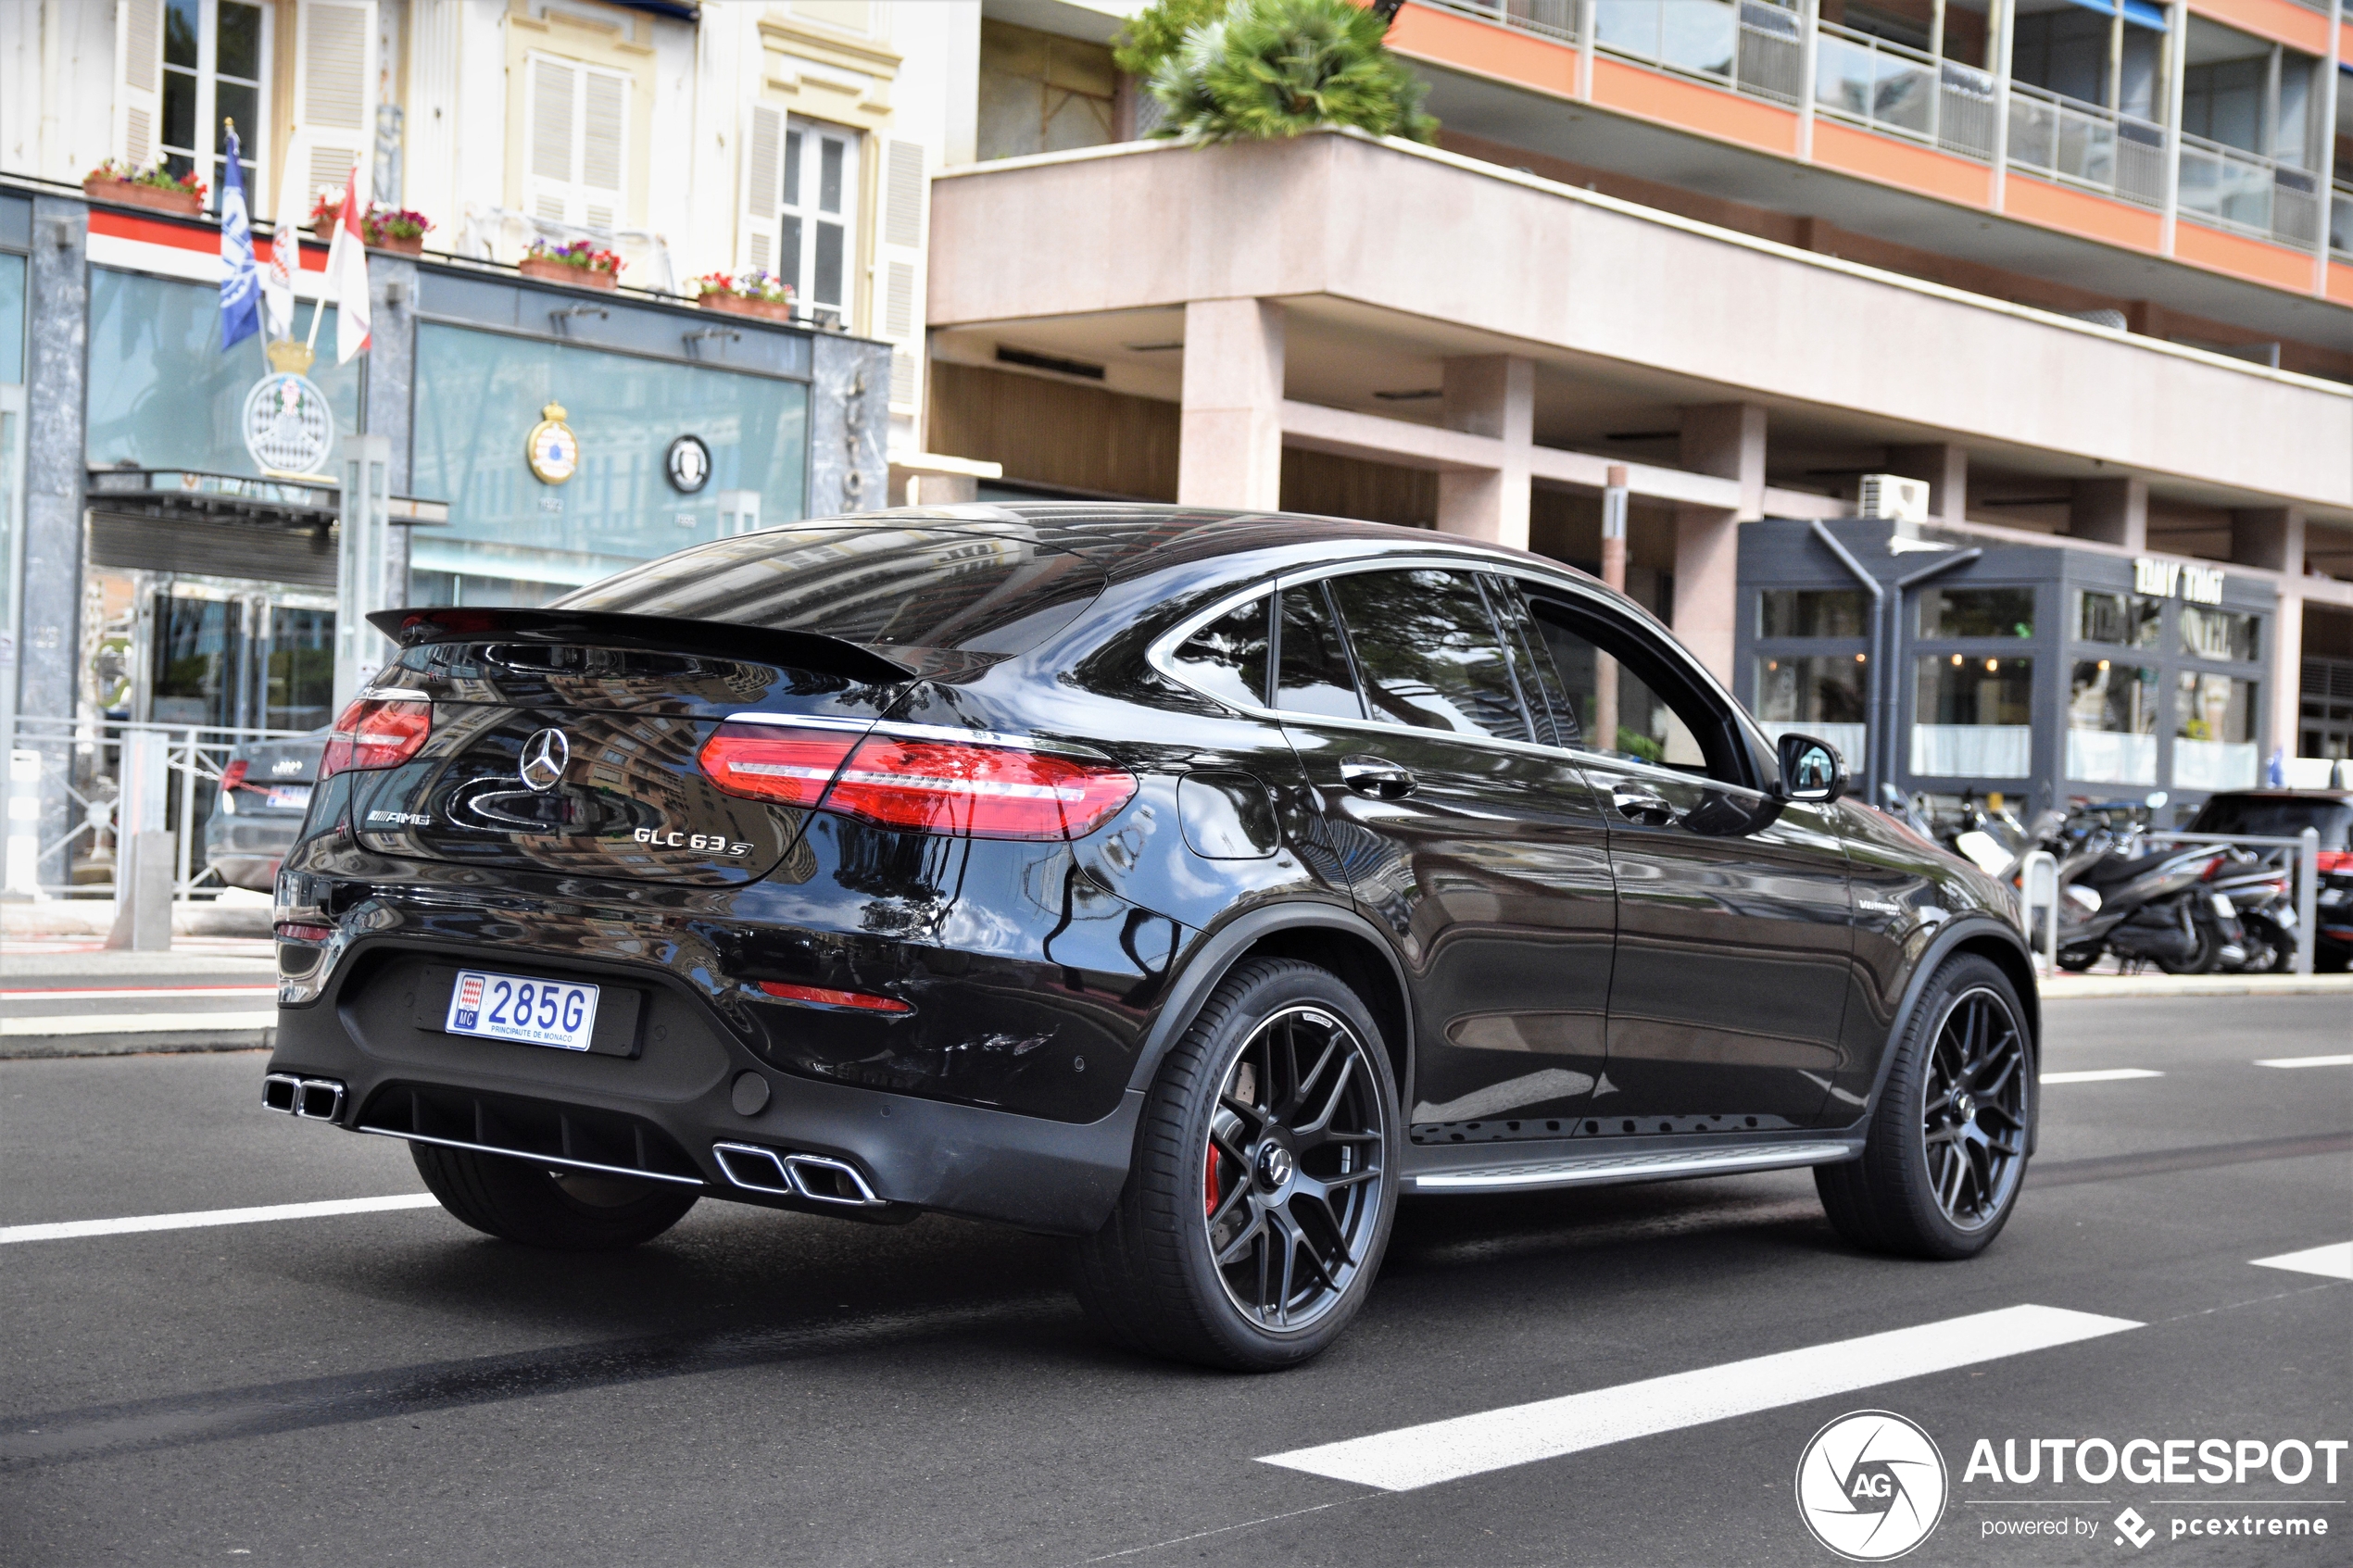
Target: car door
column 1484, row 852
column 1735, row 936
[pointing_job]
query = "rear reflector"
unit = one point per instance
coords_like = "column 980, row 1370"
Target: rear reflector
column 376, row 733
column 768, row 763
column 295, row 931
column 818, row 996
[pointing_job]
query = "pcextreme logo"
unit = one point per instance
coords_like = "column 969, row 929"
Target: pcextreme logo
column 1870, row 1485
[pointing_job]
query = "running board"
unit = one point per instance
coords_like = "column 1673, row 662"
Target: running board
column 1593, row 1170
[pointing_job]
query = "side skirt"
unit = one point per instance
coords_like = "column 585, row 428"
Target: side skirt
column 1536, row 1170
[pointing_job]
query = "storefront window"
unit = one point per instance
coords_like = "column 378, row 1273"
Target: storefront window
column 2111, row 724
column 11, row 318
column 1819, row 695
column 1977, row 612
column 162, row 393
column 1974, row 717
column 1810, row 612
column 513, row 540
column 2126, row 619
column 2214, row 733
column 2218, row 634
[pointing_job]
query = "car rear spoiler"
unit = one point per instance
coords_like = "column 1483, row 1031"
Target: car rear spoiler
column 798, row 650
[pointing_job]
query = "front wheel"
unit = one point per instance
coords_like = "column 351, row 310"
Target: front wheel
column 1946, row 1155
column 1264, row 1180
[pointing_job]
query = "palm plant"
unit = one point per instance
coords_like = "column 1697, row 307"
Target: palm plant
column 1263, row 70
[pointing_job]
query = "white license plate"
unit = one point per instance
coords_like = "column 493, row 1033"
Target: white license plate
column 511, row 1006
column 289, row 797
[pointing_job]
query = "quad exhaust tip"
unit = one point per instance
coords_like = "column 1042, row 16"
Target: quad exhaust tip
column 313, row 1099
column 812, row 1177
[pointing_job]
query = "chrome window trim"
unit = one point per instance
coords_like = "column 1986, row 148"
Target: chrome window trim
column 1160, row 656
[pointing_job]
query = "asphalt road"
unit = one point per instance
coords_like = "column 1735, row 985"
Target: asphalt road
column 763, row 1388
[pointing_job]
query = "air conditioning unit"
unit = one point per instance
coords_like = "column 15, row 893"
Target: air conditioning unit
column 1886, row 494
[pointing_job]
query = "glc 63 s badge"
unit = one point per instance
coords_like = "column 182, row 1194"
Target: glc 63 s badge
column 708, row 842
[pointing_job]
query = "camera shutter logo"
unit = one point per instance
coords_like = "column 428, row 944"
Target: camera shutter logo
column 289, row 427
column 688, row 462
column 544, row 756
column 1872, row 1485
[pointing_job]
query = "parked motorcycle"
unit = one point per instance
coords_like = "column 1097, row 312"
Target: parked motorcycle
column 2250, row 914
column 2146, row 906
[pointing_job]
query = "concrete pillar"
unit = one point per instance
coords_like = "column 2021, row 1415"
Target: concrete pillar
column 1494, row 396
column 848, row 420
column 1728, row 441
column 1945, row 466
column 1230, row 442
column 2114, row 511
column 2272, row 537
column 388, row 403
column 57, row 455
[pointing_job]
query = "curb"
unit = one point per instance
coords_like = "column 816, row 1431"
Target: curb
column 43, row 1047
column 2111, row 988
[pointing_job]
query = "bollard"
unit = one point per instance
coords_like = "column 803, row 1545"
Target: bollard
column 2039, row 894
column 146, row 856
column 2307, row 886
column 24, row 873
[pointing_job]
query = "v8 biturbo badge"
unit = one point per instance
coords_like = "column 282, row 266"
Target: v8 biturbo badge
column 554, row 451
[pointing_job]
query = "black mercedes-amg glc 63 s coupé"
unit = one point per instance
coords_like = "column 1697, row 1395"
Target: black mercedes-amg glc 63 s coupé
column 1190, row 885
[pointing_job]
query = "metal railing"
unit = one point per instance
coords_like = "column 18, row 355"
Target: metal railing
column 2079, row 143
column 2237, row 189
column 66, row 787
column 1554, row 18
column 2341, row 220
column 1744, row 44
column 1903, row 92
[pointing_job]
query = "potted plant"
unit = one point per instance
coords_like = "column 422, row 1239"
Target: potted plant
column 395, row 229
column 155, row 187
column 580, row 264
column 746, row 294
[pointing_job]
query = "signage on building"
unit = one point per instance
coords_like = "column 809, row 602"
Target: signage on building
column 554, row 451
column 289, row 428
column 688, row 464
column 2174, row 579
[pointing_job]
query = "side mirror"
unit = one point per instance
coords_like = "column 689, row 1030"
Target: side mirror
column 1811, row 769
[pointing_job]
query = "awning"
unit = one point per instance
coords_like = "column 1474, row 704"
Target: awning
column 2137, row 13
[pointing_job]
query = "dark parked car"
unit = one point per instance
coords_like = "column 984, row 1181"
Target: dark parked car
column 257, row 810
column 2284, row 813
column 1189, row 884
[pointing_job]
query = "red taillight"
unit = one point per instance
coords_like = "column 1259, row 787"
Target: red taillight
column 818, row 996
column 234, row 775
column 2332, row 860
column 767, row 763
column 976, row 791
column 295, row 931
column 376, row 733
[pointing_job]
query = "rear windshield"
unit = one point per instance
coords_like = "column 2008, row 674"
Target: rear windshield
column 991, row 592
column 2272, row 816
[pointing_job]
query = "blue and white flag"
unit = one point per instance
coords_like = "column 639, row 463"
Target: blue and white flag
column 240, row 277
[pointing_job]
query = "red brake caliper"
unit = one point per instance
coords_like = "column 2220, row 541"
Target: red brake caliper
column 1209, row 1183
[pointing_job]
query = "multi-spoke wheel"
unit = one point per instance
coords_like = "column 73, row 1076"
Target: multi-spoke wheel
column 1260, row 1203
column 1946, row 1153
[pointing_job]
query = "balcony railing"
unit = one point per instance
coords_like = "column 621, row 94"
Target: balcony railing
column 1756, row 47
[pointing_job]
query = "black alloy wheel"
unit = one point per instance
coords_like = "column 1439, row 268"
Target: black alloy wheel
column 1974, row 1120
column 1265, row 1179
column 1946, row 1153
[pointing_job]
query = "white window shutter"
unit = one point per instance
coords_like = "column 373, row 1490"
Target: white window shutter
column 138, row 98
column 335, row 91
column 549, row 117
column 899, row 262
column 604, row 140
column 763, row 177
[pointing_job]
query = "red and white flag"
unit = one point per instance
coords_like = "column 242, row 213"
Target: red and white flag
column 285, row 251
column 347, row 274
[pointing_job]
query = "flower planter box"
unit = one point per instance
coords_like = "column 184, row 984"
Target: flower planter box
column 391, row 243
column 565, row 272
column 744, row 305
column 126, row 192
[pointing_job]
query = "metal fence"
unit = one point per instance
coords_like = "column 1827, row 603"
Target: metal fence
column 76, row 787
column 1903, row 92
column 2081, row 144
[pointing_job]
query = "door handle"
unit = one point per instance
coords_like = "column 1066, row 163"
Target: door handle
column 1375, row 776
column 1640, row 803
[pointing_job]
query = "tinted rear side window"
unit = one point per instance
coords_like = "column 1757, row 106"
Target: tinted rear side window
column 1228, row 658
column 1548, row 704
column 1313, row 675
column 889, row 586
column 2271, row 817
column 1428, row 652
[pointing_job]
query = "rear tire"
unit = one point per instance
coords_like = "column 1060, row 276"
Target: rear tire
column 563, row 1211
column 1946, row 1159
column 1270, row 1140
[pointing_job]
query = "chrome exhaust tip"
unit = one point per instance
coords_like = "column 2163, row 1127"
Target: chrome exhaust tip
column 814, row 1177
column 312, row 1100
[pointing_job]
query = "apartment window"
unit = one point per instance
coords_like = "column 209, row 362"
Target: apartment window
column 2248, row 94
column 1977, row 612
column 2070, row 51
column 1041, row 93
column 2214, row 732
column 2128, row 619
column 2111, row 723
column 1974, row 717
column 579, row 119
column 1810, row 612
column 215, row 67
column 2218, row 634
column 819, row 214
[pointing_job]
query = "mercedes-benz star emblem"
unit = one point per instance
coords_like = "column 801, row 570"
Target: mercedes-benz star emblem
column 543, row 758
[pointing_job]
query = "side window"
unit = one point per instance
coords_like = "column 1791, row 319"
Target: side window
column 1626, row 700
column 1228, row 658
column 1428, row 652
column 1548, row 706
column 1311, row 672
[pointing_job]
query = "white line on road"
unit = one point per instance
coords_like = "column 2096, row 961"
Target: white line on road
column 2100, row 1075
column 1472, row 1445
column 136, row 993
column 67, row 1229
column 2305, row 1061
column 2332, row 1262
column 136, row 1022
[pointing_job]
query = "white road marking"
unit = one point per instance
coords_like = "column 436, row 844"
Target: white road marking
column 136, row 993
column 67, row 1230
column 2100, row 1075
column 136, row 1022
column 2305, row 1061
column 2332, row 1262
column 1472, row 1445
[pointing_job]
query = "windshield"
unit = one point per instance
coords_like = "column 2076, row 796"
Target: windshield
column 993, row 591
column 2273, row 816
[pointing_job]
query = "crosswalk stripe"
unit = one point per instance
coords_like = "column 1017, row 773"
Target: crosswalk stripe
column 2100, row 1075
column 2332, row 1262
column 1472, row 1445
column 2345, row 1060
column 66, row 1229
column 136, row 1022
